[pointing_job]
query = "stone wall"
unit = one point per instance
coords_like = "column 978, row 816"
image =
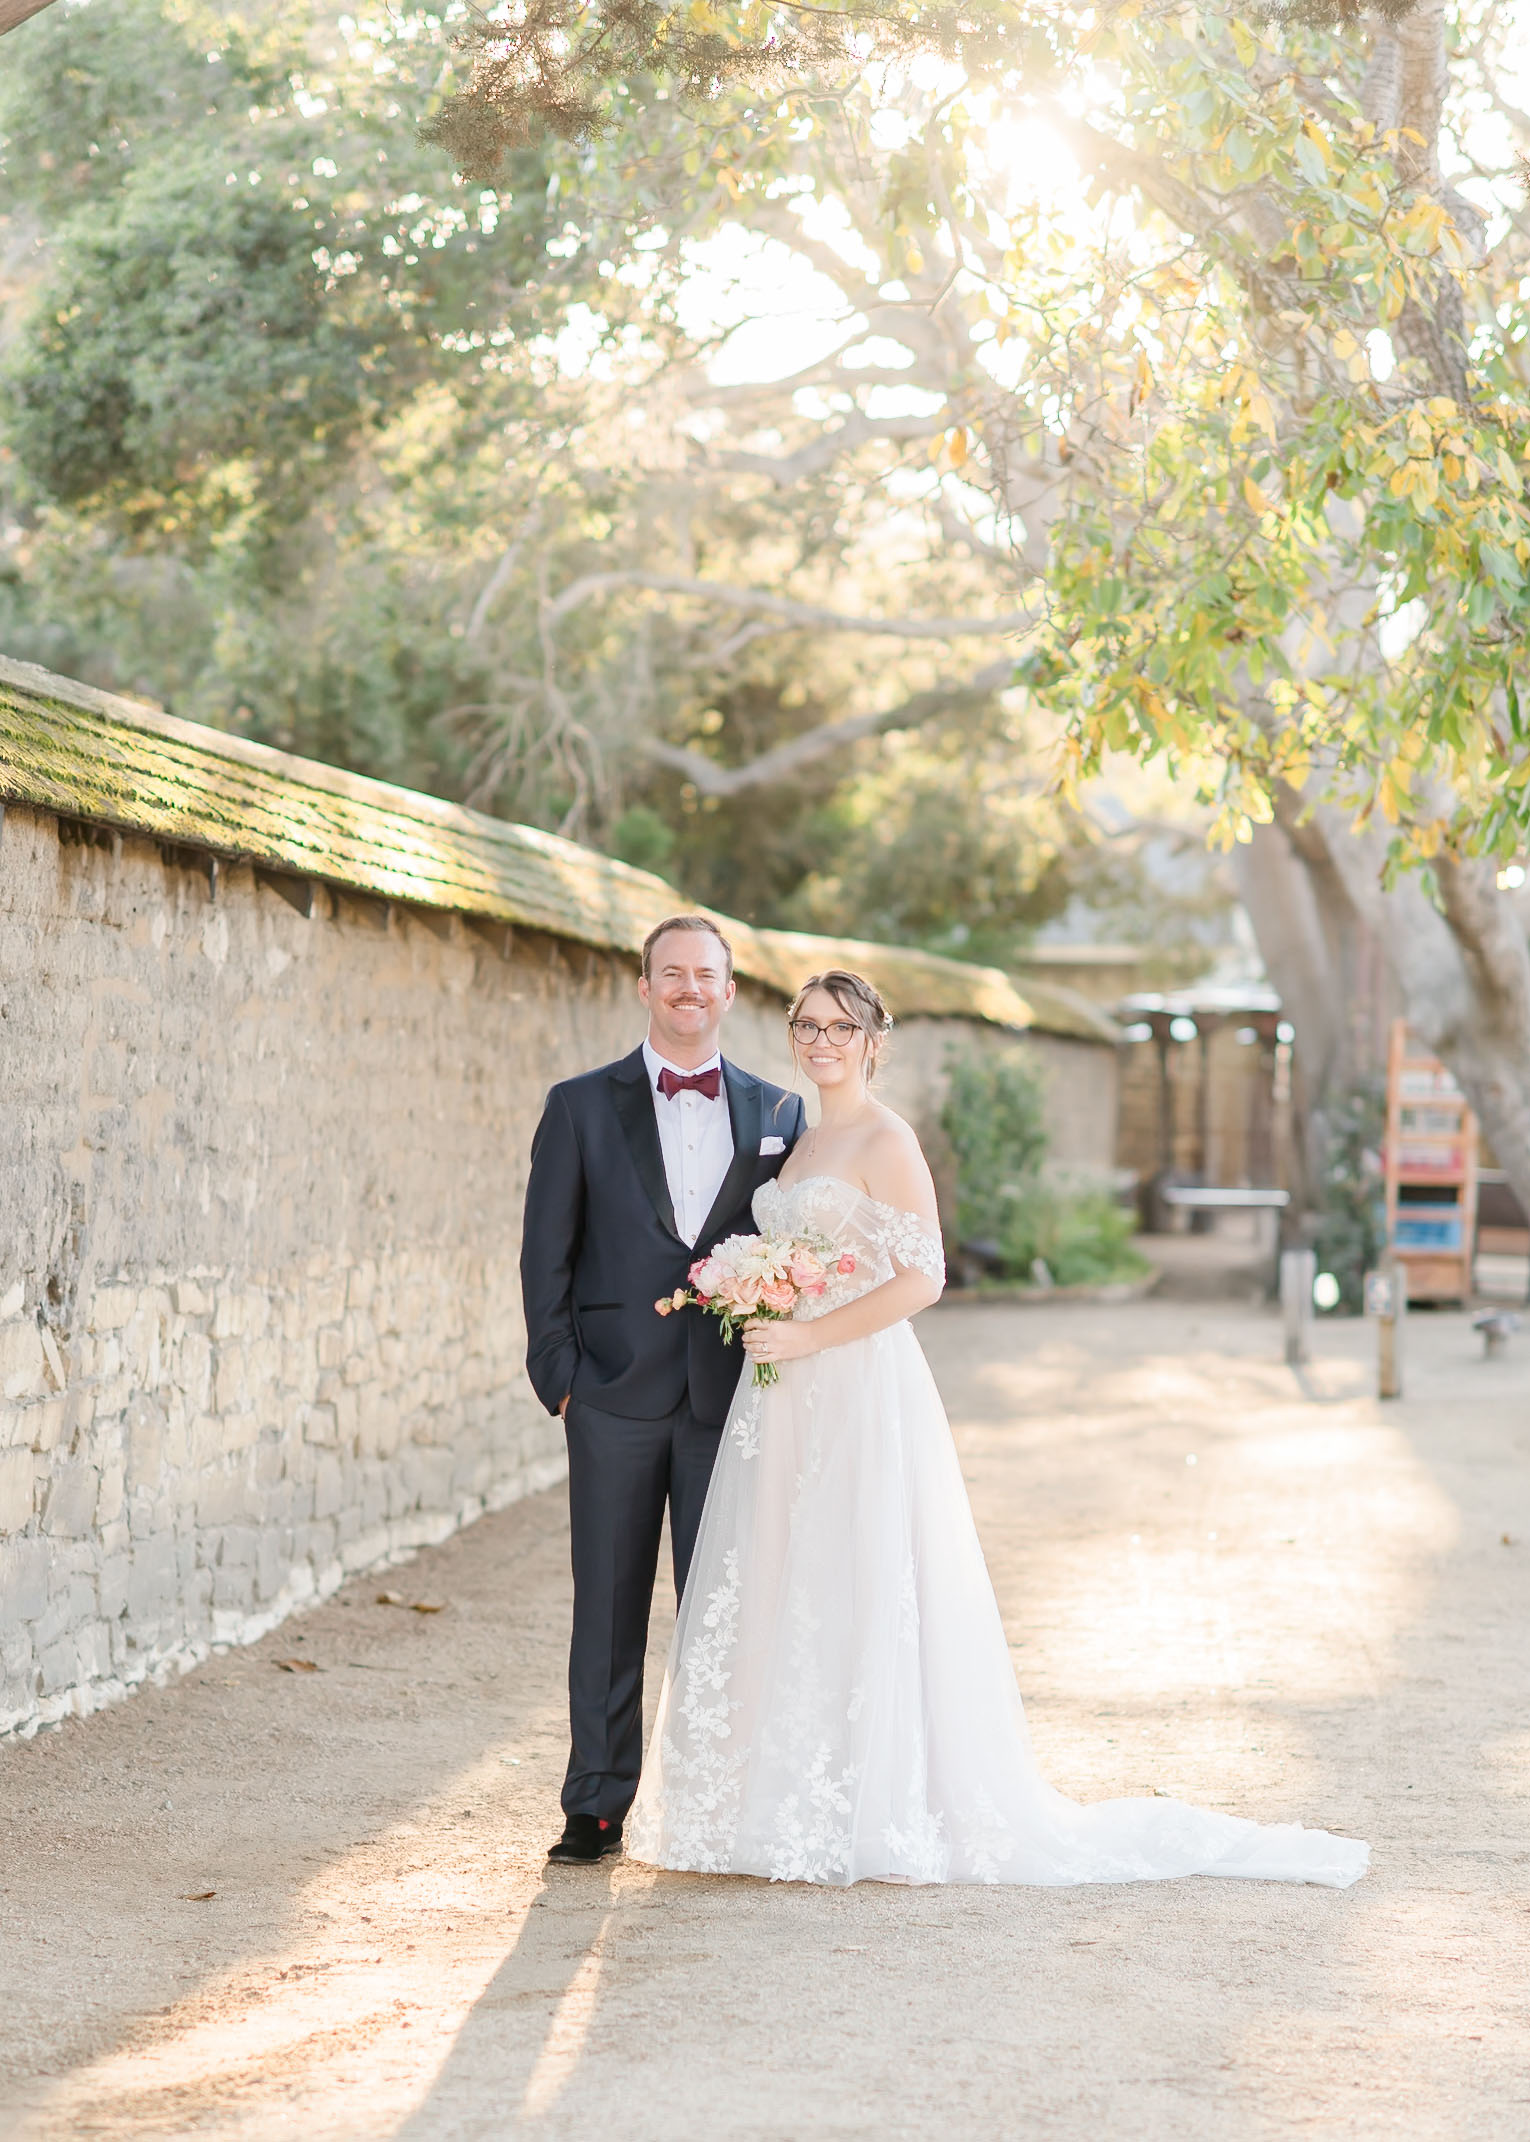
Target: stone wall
column 260, row 1190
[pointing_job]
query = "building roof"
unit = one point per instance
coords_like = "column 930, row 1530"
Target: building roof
column 68, row 748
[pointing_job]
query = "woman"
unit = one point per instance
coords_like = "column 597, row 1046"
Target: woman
column 840, row 1704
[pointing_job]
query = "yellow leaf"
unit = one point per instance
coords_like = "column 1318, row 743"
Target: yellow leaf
column 1402, row 480
column 956, row 443
column 1255, row 497
column 1263, row 415
column 1441, row 408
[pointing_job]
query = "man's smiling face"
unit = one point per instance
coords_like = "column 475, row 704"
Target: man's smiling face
column 687, row 990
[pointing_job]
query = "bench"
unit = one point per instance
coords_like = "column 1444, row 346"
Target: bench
column 1195, row 1197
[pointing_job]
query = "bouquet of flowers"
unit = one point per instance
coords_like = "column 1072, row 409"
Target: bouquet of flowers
column 758, row 1275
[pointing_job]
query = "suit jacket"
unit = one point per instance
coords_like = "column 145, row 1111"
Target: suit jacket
column 599, row 1246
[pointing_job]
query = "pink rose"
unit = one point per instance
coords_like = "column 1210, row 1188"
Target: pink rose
column 664, row 1305
column 804, row 1267
column 846, row 1263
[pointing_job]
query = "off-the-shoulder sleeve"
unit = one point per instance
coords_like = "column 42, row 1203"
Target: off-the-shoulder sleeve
column 914, row 1243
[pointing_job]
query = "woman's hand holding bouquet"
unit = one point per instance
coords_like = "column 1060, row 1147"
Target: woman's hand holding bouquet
column 757, row 1278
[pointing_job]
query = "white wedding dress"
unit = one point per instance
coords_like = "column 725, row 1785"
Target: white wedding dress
column 840, row 1704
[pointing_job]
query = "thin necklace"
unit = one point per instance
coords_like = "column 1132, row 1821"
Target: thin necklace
column 809, row 1144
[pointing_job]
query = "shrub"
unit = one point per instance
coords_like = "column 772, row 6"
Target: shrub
column 1351, row 1233
column 1008, row 1199
column 995, row 1119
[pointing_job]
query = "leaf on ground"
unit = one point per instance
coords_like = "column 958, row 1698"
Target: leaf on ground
column 297, row 1665
column 199, row 1896
column 390, row 1599
column 428, row 1606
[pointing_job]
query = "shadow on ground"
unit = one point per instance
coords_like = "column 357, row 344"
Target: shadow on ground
column 1315, row 1619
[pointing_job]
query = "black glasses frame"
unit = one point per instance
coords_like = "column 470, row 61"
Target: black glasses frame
column 806, row 1031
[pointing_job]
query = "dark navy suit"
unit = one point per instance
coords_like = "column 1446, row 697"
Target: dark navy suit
column 647, row 1394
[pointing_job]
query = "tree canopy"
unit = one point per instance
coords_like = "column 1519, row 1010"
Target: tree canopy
column 806, row 446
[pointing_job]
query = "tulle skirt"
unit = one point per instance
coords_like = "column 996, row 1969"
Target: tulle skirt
column 840, row 1703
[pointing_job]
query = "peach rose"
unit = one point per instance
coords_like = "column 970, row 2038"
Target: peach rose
column 780, row 1295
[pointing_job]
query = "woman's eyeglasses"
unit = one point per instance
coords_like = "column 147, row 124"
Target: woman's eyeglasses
column 840, row 1031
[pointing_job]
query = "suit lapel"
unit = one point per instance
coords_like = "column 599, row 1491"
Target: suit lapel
column 633, row 1101
column 746, row 1111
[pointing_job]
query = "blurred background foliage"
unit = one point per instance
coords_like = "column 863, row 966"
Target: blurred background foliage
column 1015, row 1215
column 305, row 436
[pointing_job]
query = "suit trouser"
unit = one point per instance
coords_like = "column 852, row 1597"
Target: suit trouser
column 620, row 1474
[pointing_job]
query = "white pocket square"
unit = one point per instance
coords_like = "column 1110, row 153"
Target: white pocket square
column 772, row 1145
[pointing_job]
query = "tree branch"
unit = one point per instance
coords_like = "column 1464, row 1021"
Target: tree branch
column 794, row 616
column 784, row 760
column 14, row 12
column 500, row 578
column 822, row 452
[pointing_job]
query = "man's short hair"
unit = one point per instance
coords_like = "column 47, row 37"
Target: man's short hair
column 684, row 922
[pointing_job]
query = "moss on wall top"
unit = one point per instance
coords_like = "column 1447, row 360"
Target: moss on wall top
column 86, row 754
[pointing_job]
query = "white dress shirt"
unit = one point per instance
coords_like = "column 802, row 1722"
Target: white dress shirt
column 696, row 1139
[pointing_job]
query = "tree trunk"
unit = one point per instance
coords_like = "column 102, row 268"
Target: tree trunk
column 1462, row 971
column 13, row 12
column 1330, row 972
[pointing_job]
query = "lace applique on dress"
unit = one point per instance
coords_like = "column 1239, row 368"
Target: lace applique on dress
column 746, row 1429
column 694, row 1821
column 913, row 1242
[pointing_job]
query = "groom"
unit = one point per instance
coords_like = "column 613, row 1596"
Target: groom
column 637, row 1169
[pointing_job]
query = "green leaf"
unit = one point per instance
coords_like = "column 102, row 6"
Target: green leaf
column 1503, row 566
column 1309, row 161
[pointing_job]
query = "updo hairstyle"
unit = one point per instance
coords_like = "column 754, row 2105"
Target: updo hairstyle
column 858, row 1000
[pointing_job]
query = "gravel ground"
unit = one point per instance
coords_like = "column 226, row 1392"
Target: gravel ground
column 263, row 1903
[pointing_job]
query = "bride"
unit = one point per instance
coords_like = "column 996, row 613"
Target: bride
column 839, row 1704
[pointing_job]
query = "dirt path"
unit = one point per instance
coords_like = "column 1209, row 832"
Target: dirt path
column 1317, row 1619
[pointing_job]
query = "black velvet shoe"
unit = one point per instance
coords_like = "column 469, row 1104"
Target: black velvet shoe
column 585, row 1839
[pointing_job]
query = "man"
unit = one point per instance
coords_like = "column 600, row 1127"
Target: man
column 638, row 1169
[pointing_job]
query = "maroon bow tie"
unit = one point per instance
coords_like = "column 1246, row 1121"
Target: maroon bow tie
column 707, row 1082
